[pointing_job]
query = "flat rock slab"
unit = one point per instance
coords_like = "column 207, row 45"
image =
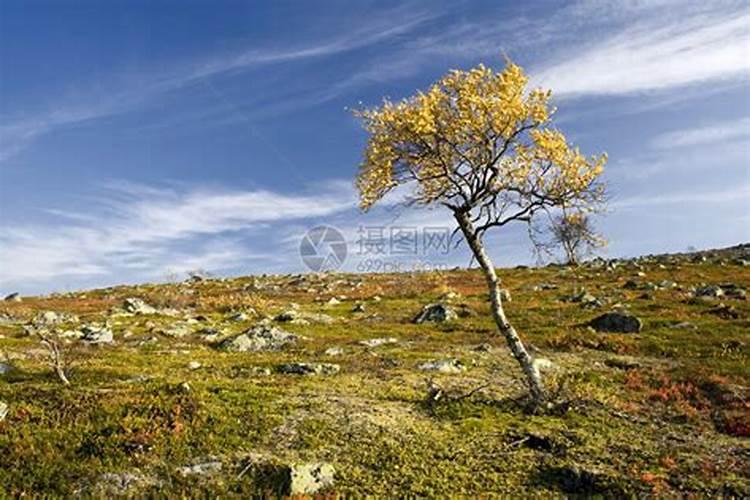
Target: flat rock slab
column 309, row 368
column 443, row 366
column 378, row 342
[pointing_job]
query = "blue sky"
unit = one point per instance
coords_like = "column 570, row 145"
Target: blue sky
column 143, row 139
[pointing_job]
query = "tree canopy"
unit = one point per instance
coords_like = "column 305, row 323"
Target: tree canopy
column 477, row 139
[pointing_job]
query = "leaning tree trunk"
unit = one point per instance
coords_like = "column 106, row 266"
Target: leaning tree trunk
column 533, row 379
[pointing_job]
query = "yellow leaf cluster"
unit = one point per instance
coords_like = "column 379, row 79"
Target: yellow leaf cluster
column 468, row 124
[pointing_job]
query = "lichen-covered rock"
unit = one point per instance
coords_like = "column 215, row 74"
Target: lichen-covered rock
column 436, row 313
column 97, row 334
column 122, row 483
column 202, row 468
column 308, row 479
column 259, row 338
column 49, row 318
column 617, row 322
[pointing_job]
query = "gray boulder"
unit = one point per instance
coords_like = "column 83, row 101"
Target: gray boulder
column 616, row 322
column 259, row 338
column 710, row 291
column 97, row 334
column 436, row 313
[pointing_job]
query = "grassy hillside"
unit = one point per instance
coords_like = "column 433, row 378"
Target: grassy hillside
column 661, row 411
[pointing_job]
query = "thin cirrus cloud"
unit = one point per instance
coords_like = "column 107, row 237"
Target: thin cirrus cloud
column 653, row 57
column 719, row 196
column 146, row 230
column 735, row 130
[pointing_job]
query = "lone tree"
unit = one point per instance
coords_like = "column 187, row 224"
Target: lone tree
column 576, row 235
column 481, row 145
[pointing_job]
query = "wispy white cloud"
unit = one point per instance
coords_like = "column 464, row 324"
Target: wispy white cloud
column 712, row 134
column 728, row 195
column 656, row 55
column 142, row 233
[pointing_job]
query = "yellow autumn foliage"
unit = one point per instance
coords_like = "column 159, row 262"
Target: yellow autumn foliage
column 469, row 127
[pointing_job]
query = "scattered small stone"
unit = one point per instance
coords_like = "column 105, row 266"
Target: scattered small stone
column 483, row 347
column 359, row 308
column 733, row 291
column 378, row 342
column 543, row 364
column 710, row 291
column 178, row 329
column 724, row 311
column 617, row 322
column 122, row 483
column 544, row 286
column 684, row 325
column 333, row 301
column 48, row 318
column 194, row 365
column 240, row 316
column 259, row 338
column 309, row 368
column 200, row 469
column 5, row 368
column 334, row 351
column 436, row 313
column 443, row 366
column 135, row 305
column 297, row 317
